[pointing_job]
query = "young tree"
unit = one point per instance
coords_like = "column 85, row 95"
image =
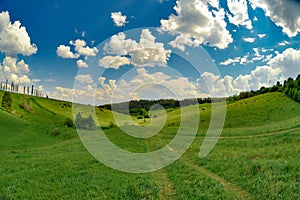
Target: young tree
column 12, row 86
column 79, row 121
column 6, row 84
column 90, row 123
column 85, row 123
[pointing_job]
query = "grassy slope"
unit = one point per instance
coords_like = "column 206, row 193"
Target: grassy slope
column 35, row 164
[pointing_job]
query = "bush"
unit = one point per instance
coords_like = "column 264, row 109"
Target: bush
column 69, row 123
column 6, row 101
column 25, row 104
column 85, row 123
column 55, row 132
column 112, row 125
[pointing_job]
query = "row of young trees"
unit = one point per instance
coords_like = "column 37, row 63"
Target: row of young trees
column 12, row 87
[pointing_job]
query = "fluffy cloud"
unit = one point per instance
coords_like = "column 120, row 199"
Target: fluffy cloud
column 14, row 70
column 281, row 67
column 283, row 43
column 81, row 63
column 146, row 52
column 146, row 85
column 257, row 55
column 14, row 38
column 181, row 41
column 65, row 52
column 216, row 86
column 283, row 13
column 263, row 76
column 194, row 20
column 261, row 35
column 214, row 3
column 119, row 45
column 83, row 49
column 84, row 78
column 118, row 19
column 230, row 61
column 86, row 94
column 113, row 61
column 142, row 85
column 241, row 83
column 250, row 40
column 149, row 52
column 239, row 13
column 287, row 63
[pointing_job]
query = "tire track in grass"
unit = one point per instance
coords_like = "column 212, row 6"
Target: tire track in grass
column 261, row 135
column 256, row 135
column 166, row 189
column 242, row 194
column 160, row 178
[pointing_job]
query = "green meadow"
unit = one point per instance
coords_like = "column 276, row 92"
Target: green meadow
column 257, row 155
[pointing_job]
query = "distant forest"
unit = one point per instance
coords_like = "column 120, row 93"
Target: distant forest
column 290, row 87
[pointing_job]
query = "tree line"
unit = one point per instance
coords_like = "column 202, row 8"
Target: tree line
column 142, row 107
column 290, row 87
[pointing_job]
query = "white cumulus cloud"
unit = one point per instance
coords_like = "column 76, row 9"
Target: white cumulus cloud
column 146, row 52
column 249, row 39
column 81, row 63
column 261, row 35
column 14, row 38
column 118, row 18
column 288, row 63
column 13, row 70
column 181, row 41
column 239, row 13
column 194, row 20
column 284, row 13
column 230, row 61
column 82, row 48
column 85, row 78
column 113, row 61
column 65, row 52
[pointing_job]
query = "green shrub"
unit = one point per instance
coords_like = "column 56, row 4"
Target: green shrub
column 55, row 132
column 112, row 125
column 69, row 122
column 6, row 101
column 25, row 104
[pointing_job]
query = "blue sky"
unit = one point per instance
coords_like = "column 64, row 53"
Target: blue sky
column 237, row 45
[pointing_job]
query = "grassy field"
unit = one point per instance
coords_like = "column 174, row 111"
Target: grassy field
column 256, row 157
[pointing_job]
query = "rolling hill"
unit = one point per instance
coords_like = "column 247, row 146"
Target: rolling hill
column 256, row 157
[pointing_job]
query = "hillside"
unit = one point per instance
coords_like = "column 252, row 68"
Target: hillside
column 256, row 157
